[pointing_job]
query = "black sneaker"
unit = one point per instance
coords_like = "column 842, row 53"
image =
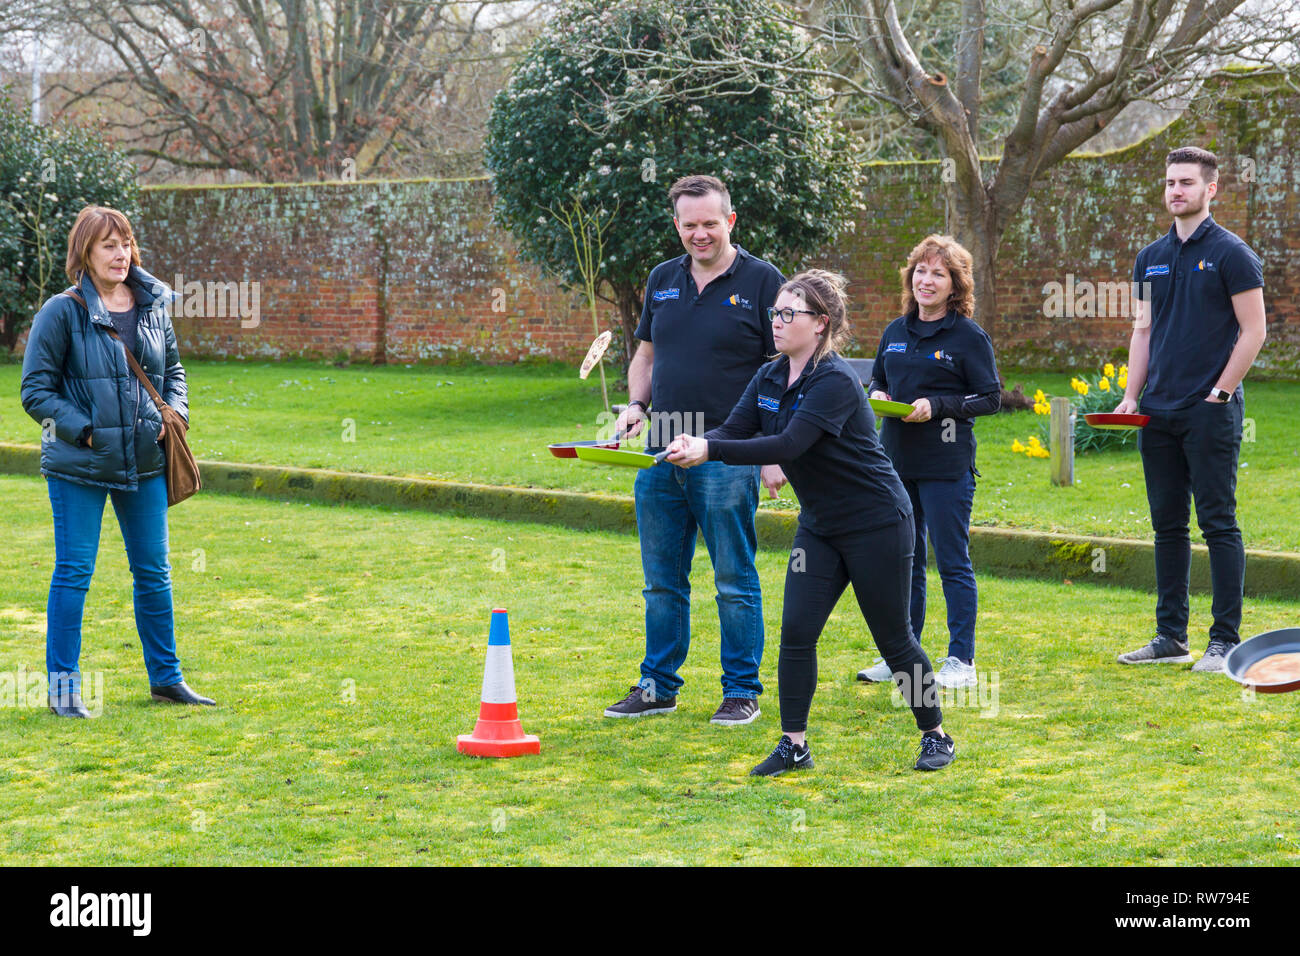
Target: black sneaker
column 1161, row 650
column 786, row 756
column 641, row 702
column 936, row 751
column 736, row 710
column 1212, row 660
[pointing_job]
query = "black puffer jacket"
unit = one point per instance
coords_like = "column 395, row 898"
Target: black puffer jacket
column 75, row 374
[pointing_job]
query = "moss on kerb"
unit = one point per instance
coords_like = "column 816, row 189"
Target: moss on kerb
column 1004, row 551
column 1072, row 552
column 20, row 459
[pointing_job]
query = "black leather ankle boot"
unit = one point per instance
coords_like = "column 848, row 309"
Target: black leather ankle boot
column 179, row 694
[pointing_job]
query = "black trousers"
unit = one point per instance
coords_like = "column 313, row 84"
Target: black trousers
column 1192, row 453
column 879, row 565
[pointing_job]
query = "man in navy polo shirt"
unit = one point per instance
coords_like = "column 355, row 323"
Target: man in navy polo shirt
column 1199, row 326
column 704, row 333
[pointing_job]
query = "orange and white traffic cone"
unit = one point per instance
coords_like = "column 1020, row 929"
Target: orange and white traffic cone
column 498, row 732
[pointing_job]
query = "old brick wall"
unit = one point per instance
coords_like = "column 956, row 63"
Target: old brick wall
column 413, row 271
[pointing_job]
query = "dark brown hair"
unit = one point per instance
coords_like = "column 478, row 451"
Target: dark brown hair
column 699, row 186
column 955, row 259
column 823, row 292
column 93, row 224
column 1208, row 162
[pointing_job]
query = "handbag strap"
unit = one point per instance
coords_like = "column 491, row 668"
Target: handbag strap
column 130, row 359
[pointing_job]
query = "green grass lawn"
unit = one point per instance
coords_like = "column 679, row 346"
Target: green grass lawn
column 286, row 610
column 491, row 425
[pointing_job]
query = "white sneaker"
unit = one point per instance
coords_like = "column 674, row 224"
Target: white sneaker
column 877, row 673
column 955, row 673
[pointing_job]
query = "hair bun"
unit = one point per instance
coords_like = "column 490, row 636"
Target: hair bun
column 837, row 282
column 824, row 292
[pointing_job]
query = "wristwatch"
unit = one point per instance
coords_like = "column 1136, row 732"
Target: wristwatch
column 1220, row 395
column 637, row 401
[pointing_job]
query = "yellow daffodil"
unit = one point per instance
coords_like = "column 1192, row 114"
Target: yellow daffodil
column 1108, row 370
column 1122, row 379
column 1104, row 385
column 1039, row 396
column 1017, row 447
column 1083, row 388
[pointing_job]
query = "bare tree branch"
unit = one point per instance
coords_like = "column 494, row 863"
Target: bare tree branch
column 284, row 89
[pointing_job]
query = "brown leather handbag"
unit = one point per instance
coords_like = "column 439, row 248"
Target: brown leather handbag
column 181, row 470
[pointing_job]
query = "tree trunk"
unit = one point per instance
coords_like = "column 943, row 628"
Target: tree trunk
column 628, row 298
column 9, row 332
column 973, row 226
column 983, row 251
column 975, row 229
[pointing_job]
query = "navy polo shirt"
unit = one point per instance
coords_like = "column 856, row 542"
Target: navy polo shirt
column 845, row 482
column 1190, row 286
column 946, row 361
column 707, row 342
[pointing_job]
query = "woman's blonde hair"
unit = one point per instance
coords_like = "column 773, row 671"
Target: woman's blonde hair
column 823, row 292
column 93, row 224
column 955, row 259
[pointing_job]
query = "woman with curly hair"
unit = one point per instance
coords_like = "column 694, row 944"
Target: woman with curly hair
column 936, row 359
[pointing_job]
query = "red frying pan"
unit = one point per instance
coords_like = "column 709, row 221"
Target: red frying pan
column 569, row 449
column 1113, row 422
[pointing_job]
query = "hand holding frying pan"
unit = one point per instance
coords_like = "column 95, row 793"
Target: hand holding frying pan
column 687, row 451
column 630, row 421
column 921, row 411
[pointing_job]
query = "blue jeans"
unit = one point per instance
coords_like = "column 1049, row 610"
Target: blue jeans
column 1192, row 453
column 142, row 516
column 672, row 503
column 941, row 510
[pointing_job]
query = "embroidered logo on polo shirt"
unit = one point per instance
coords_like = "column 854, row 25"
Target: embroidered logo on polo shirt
column 1162, row 270
column 941, row 356
column 896, row 347
column 662, row 294
column 769, row 404
column 1205, row 265
column 737, row 300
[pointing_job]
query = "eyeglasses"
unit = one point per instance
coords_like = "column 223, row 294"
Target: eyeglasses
column 787, row 315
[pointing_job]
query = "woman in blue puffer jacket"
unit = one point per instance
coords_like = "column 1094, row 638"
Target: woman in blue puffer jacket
column 100, row 435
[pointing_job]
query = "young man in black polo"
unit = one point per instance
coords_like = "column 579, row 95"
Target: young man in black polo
column 1199, row 326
